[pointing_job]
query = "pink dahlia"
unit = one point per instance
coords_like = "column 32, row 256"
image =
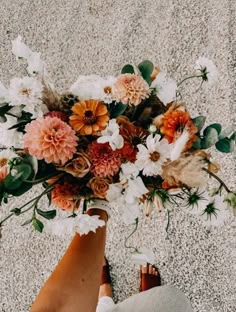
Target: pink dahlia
column 105, row 161
column 130, row 89
column 50, row 139
column 66, row 196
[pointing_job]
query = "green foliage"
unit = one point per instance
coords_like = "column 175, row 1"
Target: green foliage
column 21, row 172
column 199, row 122
column 3, row 119
column 37, row 225
column 127, row 69
column 50, row 214
column 225, row 145
column 22, row 122
column 116, row 109
column 4, row 108
column 146, row 69
column 210, row 137
column 215, row 126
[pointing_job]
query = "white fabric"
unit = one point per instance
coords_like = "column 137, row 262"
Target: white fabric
column 105, row 304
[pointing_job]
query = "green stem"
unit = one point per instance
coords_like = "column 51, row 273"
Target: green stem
column 168, row 221
column 127, row 238
column 218, row 179
column 9, row 216
column 41, row 180
column 187, row 78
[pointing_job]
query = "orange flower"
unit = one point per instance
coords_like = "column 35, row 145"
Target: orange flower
column 99, row 186
column 89, row 117
column 66, row 196
column 173, row 124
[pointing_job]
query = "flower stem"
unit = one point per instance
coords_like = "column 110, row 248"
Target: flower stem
column 218, row 179
column 127, row 238
column 187, row 78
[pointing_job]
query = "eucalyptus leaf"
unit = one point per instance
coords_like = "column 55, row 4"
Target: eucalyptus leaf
column 225, row 145
column 25, row 170
column 233, row 136
column 216, row 126
column 24, row 187
column 12, row 182
column 210, row 137
column 197, row 143
column 199, row 122
column 146, row 69
column 128, row 69
column 116, row 109
column 226, row 132
column 50, row 214
column 38, row 225
column 27, row 222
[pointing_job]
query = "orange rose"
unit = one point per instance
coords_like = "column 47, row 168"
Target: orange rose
column 78, row 167
column 99, row 187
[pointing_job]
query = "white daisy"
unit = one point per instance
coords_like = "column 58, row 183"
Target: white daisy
column 112, row 136
column 165, row 88
column 81, row 224
column 207, row 69
column 106, row 85
column 151, row 157
column 20, row 49
column 27, row 91
column 9, row 138
column 142, row 256
column 7, row 154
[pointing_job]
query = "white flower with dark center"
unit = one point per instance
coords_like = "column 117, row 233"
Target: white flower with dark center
column 27, row 91
column 106, row 86
column 9, row 138
column 151, row 157
column 207, row 69
column 20, row 49
column 112, row 136
column 165, row 88
column 142, row 256
column 215, row 212
column 81, row 224
column 6, row 155
column 3, row 93
column 35, row 65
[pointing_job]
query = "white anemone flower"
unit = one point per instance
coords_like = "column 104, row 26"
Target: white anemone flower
column 20, row 49
column 35, row 65
column 207, row 69
column 128, row 170
column 26, row 90
column 215, row 212
column 130, row 211
column 142, row 256
column 81, row 224
column 7, row 154
column 165, row 88
column 135, row 189
column 112, row 136
column 10, row 138
column 151, row 157
column 3, row 93
column 114, row 192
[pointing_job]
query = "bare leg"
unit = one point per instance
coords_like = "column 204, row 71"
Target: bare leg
column 74, row 284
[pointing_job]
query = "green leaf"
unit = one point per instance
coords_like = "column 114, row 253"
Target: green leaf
column 25, row 170
column 210, row 137
column 216, row 126
column 226, row 132
column 146, row 69
column 127, row 69
column 199, row 122
column 33, row 162
column 24, row 187
column 4, row 108
column 197, row 143
column 225, row 145
column 3, row 119
column 116, row 110
column 27, row 222
column 50, row 214
column 233, row 136
column 49, row 196
column 12, row 182
column 38, row 225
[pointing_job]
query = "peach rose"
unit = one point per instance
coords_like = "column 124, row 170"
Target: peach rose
column 99, row 187
column 77, row 167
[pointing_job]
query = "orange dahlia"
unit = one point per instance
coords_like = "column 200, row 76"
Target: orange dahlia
column 66, row 196
column 50, row 139
column 105, row 161
column 89, row 117
column 173, row 124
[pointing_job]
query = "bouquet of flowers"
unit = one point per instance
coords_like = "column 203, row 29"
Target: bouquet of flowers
column 128, row 139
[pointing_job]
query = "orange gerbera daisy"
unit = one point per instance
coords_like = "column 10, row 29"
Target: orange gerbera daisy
column 89, row 117
column 173, row 124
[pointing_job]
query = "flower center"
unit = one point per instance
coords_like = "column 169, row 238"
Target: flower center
column 89, row 117
column 3, row 162
column 154, row 156
column 26, row 92
column 107, row 90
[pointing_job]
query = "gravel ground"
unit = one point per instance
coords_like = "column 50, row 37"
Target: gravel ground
column 99, row 36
